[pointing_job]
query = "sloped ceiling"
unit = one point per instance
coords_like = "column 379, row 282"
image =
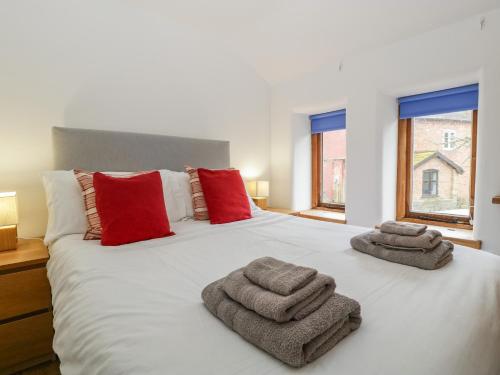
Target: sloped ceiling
column 282, row 39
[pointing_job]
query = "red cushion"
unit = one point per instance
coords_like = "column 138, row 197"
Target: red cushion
column 225, row 195
column 131, row 209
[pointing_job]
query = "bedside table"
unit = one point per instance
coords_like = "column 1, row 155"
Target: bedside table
column 25, row 307
column 260, row 202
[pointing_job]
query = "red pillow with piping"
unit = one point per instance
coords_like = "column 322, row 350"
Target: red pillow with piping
column 131, row 209
column 225, row 195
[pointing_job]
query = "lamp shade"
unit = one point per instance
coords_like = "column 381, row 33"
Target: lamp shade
column 8, row 209
column 258, row 188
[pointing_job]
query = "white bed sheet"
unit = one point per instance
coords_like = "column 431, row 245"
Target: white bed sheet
column 136, row 309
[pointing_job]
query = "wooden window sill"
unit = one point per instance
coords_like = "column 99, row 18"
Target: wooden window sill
column 458, row 236
column 328, row 209
column 437, row 223
column 322, row 214
column 284, row 211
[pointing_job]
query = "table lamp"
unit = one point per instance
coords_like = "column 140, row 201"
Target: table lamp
column 259, row 191
column 8, row 221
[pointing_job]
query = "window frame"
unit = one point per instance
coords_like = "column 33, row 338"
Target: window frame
column 317, row 163
column 404, row 185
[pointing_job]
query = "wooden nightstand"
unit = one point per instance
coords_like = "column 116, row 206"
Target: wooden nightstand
column 260, row 202
column 25, row 307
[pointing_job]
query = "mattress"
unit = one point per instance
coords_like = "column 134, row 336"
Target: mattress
column 136, row 309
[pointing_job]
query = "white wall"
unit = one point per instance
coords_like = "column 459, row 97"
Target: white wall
column 64, row 63
column 368, row 86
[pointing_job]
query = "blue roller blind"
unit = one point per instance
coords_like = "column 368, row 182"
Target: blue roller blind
column 325, row 122
column 444, row 101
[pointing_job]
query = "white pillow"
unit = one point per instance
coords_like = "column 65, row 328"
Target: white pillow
column 174, row 202
column 65, row 205
column 173, row 194
column 185, row 188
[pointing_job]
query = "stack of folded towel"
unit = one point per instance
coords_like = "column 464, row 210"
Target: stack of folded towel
column 406, row 243
column 289, row 311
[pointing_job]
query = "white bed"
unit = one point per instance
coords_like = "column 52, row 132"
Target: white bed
column 136, row 309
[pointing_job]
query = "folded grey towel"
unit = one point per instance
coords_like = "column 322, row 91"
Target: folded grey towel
column 423, row 242
column 404, row 229
column 431, row 260
column 274, row 306
column 295, row 343
column 278, row 276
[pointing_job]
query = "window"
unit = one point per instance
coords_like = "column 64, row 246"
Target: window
column 332, row 189
column 328, row 160
column 437, row 157
column 430, row 183
column 449, row 139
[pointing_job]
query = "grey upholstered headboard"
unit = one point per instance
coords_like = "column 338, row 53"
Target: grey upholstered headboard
column 99, row 150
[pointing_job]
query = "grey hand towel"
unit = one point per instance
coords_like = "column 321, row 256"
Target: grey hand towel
column 295, row 343
column 423, row 242
column 431, row 260
column 278, row 276
column 274, row 306
column 404, row 229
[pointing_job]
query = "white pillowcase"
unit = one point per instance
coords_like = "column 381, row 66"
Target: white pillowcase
column 185, row 188
column 67, row 209
column 65, row 205
column 173, row 194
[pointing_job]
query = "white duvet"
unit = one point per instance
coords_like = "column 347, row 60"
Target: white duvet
column 136, row 309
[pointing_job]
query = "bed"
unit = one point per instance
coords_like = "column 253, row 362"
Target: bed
column 136, row 309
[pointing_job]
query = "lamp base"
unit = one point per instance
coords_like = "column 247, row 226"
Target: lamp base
column 260, row 202
column 8, row 237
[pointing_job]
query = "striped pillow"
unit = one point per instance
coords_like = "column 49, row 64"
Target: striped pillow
column 86, row 181
column 199, row 205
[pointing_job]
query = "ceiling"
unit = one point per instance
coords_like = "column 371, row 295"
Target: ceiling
column 282, row 39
